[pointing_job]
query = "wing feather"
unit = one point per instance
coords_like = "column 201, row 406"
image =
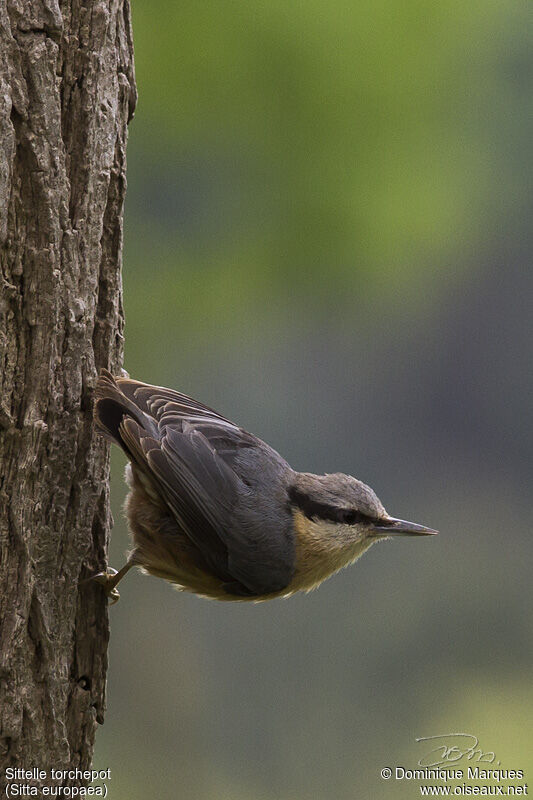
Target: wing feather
column 208, row 471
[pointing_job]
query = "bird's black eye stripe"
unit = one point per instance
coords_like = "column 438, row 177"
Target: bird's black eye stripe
column 353, row 517
column 313, row 509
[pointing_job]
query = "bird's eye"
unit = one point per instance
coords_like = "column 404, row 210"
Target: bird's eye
column 352, row 517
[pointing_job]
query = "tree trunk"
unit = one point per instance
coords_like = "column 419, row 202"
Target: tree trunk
column 67, row 92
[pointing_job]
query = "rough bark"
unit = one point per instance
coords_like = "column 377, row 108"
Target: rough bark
column 67, row 92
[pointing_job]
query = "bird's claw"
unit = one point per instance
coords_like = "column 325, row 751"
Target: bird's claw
column 107, row 580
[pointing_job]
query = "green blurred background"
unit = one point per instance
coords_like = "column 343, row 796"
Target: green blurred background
column 328, row 238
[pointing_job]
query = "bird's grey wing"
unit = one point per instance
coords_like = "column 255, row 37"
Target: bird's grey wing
column 165, row 405
column 207, row 470
column 247, row 455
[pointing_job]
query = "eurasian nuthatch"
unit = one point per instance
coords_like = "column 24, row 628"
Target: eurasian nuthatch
column 218, row 512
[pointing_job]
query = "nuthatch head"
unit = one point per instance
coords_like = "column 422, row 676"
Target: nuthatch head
column 218, row 512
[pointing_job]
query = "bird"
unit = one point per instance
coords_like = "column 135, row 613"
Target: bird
column 218, row 512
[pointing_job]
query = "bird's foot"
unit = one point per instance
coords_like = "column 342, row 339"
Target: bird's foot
column 109, row 580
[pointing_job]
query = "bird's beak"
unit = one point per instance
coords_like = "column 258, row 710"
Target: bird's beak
column 399, row 527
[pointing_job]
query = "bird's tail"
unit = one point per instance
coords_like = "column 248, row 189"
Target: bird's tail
column 111, row 406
